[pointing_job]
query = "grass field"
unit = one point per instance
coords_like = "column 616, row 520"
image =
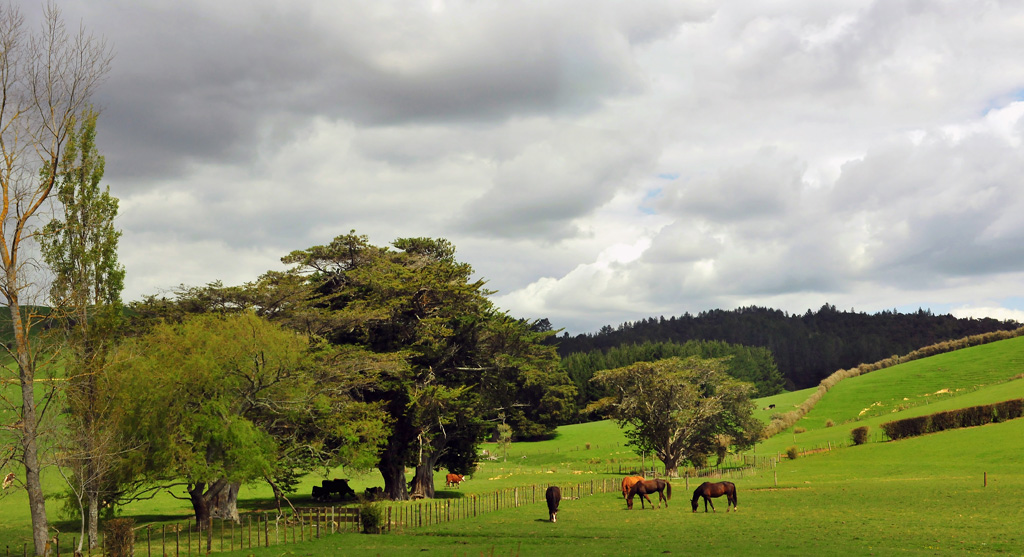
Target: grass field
column 921, row 496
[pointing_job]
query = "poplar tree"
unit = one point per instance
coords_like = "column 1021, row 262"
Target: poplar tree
column 80, row 247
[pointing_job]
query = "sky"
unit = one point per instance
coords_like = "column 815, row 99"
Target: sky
column 596, row 162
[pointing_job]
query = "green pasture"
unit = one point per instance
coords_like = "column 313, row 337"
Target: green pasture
column 905, row 498
column 920, row 496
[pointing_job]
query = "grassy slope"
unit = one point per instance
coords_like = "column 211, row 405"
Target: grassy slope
column 919, row 496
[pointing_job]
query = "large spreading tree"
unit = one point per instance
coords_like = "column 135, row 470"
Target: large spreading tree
column 679, row 409
column 458, row 361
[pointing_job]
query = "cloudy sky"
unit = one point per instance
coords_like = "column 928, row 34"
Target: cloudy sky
column 597, row 162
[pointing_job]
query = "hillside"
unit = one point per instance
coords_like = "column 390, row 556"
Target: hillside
column 806, row 347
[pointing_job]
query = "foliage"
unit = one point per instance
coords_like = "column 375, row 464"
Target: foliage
column 120, row 537
column 792, row 452
column 807, row 347
column 678, row 408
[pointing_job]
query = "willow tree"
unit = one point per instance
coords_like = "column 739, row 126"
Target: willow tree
column 211, row 400
column 678, row 409
column 80, row 247
column 46, row 80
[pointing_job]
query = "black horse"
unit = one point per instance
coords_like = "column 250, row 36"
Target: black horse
column 707, row 490
column 644, row 487
column 553, row 495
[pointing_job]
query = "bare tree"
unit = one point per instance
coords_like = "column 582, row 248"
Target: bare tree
column 47, row 77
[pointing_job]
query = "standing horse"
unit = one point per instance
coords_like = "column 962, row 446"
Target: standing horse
column 628, row 482
column 553, row 495
column 644, row 487
column 707, row 490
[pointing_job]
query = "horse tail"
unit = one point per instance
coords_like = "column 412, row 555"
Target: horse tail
column 668, row 491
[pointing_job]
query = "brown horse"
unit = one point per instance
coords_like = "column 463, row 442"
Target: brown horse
column 644, row 487
column 707, row 490
column 554, row 496
column 628, row 482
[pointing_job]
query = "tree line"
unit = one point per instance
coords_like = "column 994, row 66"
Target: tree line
column 806, row 347
column 754, row 365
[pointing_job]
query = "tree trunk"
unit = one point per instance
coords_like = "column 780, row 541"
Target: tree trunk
column 93, row 519
column 223, row 500
column 422, row 485
column 29, row 429
column 200, row 505
column 394, row 480
column 671, row 462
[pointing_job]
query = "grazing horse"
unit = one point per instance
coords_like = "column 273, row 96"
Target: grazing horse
column 644, row 487
column 553, row 495
column 454, row 480
column 707, row 490
column 628, row 482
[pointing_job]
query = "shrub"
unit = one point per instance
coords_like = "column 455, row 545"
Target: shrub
column 588, row 446
column 799, row 429
column 120, row 537
column 829, row 423
column 859, row 435
column 372, row 517
column 1010, row 409
column 792, row 452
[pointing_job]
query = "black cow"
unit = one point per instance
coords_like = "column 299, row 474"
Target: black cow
column 332, row 490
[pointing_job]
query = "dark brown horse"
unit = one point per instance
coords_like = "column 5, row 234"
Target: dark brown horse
column 707, row 490
column 644, row 487
column 553, row 495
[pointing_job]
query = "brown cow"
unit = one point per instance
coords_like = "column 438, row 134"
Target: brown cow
column 453, row 480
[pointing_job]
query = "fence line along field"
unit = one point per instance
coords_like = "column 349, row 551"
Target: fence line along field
column 947, row 493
